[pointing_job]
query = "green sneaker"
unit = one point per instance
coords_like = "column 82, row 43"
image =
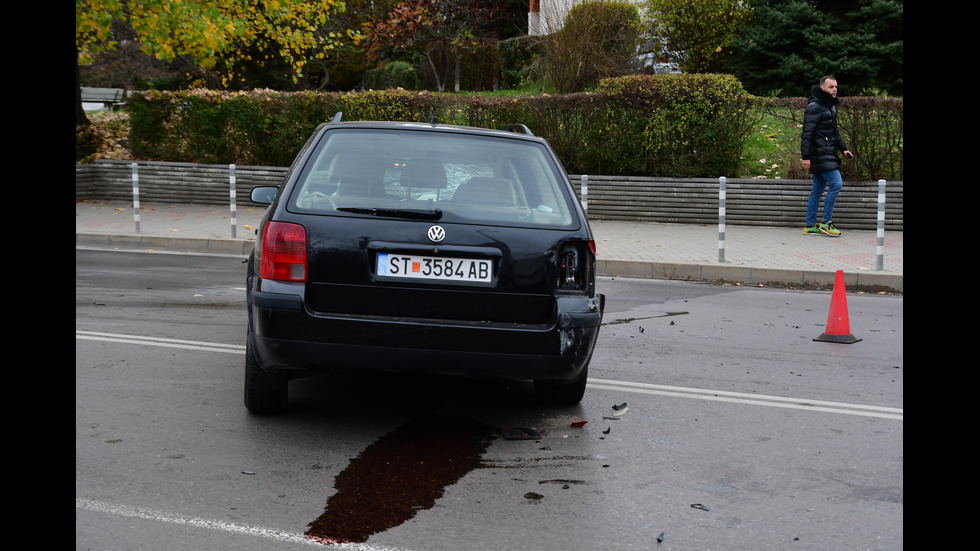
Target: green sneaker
column 812, row 230
column 829, row 229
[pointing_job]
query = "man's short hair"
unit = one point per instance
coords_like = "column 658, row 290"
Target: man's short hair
column 826, row 78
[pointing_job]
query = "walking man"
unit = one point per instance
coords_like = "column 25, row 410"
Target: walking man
column 821, row 140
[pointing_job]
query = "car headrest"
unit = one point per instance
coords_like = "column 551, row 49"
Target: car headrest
column 423, row 172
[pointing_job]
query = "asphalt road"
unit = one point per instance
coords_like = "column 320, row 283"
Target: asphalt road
column 734, row 429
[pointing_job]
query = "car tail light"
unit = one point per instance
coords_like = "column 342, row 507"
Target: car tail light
column 283, row 252
column 575, row 266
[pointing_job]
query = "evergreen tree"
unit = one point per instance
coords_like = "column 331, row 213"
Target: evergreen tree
column 790, row 44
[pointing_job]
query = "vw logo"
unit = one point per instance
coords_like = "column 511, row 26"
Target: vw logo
column 437, row 234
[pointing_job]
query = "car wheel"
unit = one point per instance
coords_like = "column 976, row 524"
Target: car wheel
column 562, row 393
column 265, row 392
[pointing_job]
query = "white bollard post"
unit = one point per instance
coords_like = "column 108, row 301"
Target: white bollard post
column 136, row 197
column 880, row 246
column 585, row 192
column 721, row 218
column 231, row 181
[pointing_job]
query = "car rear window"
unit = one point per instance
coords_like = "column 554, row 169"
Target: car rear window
column 469, row 178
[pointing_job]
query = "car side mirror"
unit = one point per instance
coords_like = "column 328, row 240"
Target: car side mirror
column 264, row 195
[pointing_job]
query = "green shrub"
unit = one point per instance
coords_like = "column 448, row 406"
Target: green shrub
column 87, row 143
column 200, row 126
column 598, row 40
column 653, row 125
column 290, row 120
column 150, row 116
column 674, row 125
column 517, row 55
column 393, row 74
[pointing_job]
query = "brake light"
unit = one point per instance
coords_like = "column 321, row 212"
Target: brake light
column 283, row 252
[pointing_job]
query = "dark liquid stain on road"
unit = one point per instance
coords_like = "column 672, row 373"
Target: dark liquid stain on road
column 402, row 473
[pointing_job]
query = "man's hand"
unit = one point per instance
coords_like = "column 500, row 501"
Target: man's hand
column 806, row 164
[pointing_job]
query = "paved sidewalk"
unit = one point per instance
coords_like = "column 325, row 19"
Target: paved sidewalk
column 751, row 255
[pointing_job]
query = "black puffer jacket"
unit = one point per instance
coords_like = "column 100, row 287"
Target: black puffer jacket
column 821, row 140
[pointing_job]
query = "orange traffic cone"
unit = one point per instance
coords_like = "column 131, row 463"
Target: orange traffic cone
column 838, row 328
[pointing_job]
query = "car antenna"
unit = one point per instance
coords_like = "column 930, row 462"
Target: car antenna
column 337, row 117
column 435, row 120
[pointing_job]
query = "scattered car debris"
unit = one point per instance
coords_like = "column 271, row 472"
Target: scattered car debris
column 607, row 431
column 699, row 506
column 522, row 433
column 660, row 538
column 579, row 424
column 532, row 495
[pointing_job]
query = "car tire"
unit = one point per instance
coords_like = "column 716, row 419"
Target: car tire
column 265, row 393
column 562, row 393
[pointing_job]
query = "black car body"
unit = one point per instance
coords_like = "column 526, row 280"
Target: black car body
column 422, row 248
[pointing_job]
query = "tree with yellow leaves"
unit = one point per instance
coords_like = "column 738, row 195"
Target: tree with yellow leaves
column 214, row 34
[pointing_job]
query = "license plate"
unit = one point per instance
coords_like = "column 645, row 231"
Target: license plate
column 464, row 270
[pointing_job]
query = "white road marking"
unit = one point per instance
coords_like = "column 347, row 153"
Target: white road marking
column 753, row 399
column 243, row 529
column 156, row 341
column 619, row 386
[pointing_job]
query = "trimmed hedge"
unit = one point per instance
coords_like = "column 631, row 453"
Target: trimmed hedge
column 641, row 125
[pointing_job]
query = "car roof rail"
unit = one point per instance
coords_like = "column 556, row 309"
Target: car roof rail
column 337, row 117
column 517, row 127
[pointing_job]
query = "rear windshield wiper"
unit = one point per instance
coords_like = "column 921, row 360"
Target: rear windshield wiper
column 434, row 214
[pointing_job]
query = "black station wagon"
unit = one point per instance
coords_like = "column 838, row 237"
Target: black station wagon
column 422, row 248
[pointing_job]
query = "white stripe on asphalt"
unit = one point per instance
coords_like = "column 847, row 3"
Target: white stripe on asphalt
column 753, row 399
column 619, row 386
column 221, row 526
column 156, row 341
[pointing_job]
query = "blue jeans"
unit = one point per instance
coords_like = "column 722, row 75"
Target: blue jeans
column 821, row 181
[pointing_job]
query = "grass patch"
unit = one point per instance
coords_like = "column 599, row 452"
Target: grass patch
column 772, row 149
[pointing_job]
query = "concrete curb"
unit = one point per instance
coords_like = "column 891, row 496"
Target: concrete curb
column 869, row 282
column 237, row 247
